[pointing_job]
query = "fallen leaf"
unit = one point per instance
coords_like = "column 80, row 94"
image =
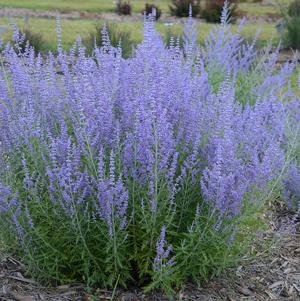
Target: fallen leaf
column 276, row 284
column 296, row 287
column 20, row 297
column 274, row 260
column 245, row 291
column 22, row 279
column 291, row 290
column 287, row 271
column 271, row 295
column 285, row 264
column 63, row 287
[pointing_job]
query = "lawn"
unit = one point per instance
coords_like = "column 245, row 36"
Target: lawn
column 258, row 9
column 78, row 5
column 137, row 5
column 72, row 28
column 82, row 27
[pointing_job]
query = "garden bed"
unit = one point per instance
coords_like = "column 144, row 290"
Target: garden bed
column 152, row 172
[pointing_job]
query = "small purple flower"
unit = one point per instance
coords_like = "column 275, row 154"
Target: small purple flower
column 8, row 199
column 291, row 186
column 163, row 252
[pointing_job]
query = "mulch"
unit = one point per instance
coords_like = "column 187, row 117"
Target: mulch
column 274, row 273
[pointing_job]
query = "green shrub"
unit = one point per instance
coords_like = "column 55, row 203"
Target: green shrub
column 291, row 36
column 180, row 8
column 171, row 39
column 33, row 39
column 146, row 171
column 117, row 37
column 149, row 8
column 123, row 8
column 294, row 9
column 291, row 25
column 213, row 10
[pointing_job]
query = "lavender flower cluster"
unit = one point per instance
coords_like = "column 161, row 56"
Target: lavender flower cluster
column 131, row 160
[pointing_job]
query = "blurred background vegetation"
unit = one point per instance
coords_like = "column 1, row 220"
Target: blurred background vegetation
column 274, row 18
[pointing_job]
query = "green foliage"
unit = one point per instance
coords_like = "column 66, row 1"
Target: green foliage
column 62, row 245
column 291, row 36
column 59, row 247
column 170, row 37
column 117, row 38
column 291, row 25
column 180, row 8
column 206, row 250
column 123, row 8
column 294, row 9
column 34, row 39
column 213, row 10
column 149, row 8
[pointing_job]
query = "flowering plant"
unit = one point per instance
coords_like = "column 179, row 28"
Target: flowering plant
column 152, row 169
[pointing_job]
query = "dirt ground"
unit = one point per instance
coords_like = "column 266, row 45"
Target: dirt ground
column 274, row 274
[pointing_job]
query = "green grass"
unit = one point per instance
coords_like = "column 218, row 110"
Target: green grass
column 72, row 28
column 79, row 5
column 259, row 10
column 294, row 82
column 137, row 5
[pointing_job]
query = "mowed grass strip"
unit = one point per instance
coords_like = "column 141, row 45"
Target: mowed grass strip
column 79, row 5
column 83, row 27
column 257, row 9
